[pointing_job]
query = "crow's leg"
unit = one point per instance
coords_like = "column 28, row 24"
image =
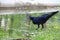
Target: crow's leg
column 42, row 26
column 38, row 27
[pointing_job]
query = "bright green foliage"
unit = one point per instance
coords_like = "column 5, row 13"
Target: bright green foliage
column 20, row 26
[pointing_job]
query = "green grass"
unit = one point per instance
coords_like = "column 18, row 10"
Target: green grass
column 20, row 26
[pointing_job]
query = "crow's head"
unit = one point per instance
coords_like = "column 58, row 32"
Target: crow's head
column 31, row 17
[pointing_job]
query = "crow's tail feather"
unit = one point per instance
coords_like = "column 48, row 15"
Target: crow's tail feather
column 53, row 13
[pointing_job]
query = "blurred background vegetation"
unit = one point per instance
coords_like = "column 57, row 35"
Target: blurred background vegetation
column 16, row 26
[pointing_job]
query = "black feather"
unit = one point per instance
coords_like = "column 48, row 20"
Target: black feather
column 42, row 19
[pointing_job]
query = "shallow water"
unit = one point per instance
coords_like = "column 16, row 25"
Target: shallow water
column 4, row 12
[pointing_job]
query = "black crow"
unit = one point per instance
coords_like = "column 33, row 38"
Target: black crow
column 40, row 20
